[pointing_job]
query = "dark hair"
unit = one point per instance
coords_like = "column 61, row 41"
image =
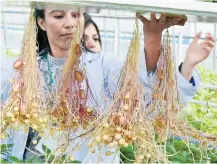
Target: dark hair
column 88, row 21
column 42, row 40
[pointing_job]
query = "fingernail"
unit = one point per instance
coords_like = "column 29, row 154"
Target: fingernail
column 138, row 14
column 178, row 18
column 163, row 15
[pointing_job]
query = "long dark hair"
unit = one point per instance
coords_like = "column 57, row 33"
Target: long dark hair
column 42, row 39
column 88, row 21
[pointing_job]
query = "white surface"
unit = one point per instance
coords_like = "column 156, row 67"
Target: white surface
column 195, row 10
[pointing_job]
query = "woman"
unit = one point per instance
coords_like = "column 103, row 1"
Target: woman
column 56, row 27
column 91, row 38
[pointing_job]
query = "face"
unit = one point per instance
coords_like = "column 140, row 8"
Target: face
column 91, row 39
column 61, row 26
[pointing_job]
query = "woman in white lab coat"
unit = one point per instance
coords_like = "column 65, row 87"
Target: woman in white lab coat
column 56, row 27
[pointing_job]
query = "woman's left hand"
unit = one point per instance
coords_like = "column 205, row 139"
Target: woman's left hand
column 196, row 53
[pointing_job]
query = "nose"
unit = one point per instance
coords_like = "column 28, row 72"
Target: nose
column 70, row 21
column 89, row 43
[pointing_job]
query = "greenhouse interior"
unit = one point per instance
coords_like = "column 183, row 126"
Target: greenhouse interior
column 131, row 118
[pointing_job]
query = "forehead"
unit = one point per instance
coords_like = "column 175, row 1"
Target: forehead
column 50, row 11
column 59, row 6
column 90, row 29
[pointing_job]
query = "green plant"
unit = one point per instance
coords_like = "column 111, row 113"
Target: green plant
column 203, row 117
column 11, row 54
column 47, row 157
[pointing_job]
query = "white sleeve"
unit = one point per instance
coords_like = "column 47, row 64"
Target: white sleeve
column 112, row 67
column 187, row 90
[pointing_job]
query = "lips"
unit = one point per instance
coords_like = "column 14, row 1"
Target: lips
column 68, row 36
column 91, row 47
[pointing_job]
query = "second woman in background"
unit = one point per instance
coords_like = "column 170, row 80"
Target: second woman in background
column 91, row 38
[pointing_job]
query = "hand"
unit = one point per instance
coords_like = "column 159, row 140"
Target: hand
column 196, row 53
column 152, row 30
column 154, row 27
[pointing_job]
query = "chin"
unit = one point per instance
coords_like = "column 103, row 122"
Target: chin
column 94, row 50
column 66, row 46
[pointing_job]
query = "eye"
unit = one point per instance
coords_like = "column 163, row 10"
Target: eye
column 75, row 15
column 96, row 39
column 85, row 37
column 58, row 16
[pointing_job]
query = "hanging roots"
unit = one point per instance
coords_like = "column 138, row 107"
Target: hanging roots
column 24, row 105
column 124, row 122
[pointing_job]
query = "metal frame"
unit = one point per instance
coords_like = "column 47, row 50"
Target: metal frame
column 192, row 9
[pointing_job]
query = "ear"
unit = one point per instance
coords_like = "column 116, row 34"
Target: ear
column 41, row 23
